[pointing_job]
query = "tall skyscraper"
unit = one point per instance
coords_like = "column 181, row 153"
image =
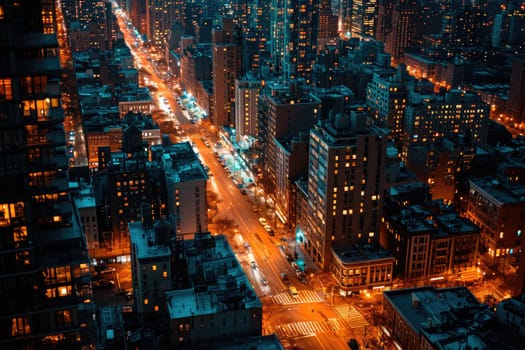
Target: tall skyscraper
column 300, row 37
column 347, row 159
column 327, row 33
column 227, row 66
column 344, row 14
column 405, row 19
column 384, row 19
column 277, row 30
column 192, row 17
column 44, row 266
column 161, row 14
column 364, row 15
column 285, row 110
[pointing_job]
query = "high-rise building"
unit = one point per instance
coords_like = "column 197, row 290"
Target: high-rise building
column 364, row 17
column 327, row 33
column 247, row 91
column 509, row 26
column 192, row 17
column 277, row 30
column 44, row 274
column 285, row 110
column 405, row 33
column 185, row 180
column 300, row 37
column 516, row 101
column 438, row 117
column 384, row 19
column 226, row 66
column 386, row 96
column 344, row 14
column 345, row 185
column 137, row 13
column 160, row 14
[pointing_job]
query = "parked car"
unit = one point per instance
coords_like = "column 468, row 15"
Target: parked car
column 262, row 221
column 254, row 265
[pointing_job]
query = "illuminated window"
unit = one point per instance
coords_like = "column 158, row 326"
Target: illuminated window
column 63, row 318
column 20, row 326
column 6, row 89
column 154, row 267
column 146, row 301
column 156, row 308
column 165, row 274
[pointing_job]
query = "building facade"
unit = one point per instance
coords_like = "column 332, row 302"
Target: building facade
column 345, row 185
column 221, row 305
column 227, row 66
column 185, row 180
column 44, row 274
column 499, row 211
column 247, row 91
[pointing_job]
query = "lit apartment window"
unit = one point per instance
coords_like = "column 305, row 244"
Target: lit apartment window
column 156, row 308
column 20, row 326
column 6, row 90
column 165, row 274
column 146, row 301
column 154, row 267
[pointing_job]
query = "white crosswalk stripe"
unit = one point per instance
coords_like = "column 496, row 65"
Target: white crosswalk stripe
column 307, row 296
column 297, row 329
column 335, row 324
column 351, row 316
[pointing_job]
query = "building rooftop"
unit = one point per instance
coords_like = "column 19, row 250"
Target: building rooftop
column 361, row 254
column 452, row 223
column 147, row 242
column 181, row 163
column 219, row 283
column 446, row 316
column 496, row 190
column 85, row 200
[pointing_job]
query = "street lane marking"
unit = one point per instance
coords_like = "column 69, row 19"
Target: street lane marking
column 304, row 297
column 301, row 329
column 351, row 316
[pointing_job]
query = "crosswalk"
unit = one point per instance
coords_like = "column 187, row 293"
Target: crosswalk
column 306, row 296
column 351, row 316
column 297, row 329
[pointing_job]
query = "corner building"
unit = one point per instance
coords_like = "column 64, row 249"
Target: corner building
column 345, row 184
